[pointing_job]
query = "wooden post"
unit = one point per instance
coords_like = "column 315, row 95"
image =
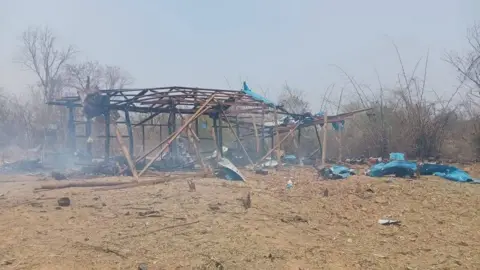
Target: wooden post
column 277, row 138
column 88, row 134
column 280, row 142
column 325, row 131
column 197, row 151
column 72, row 136
column 214, row 138
column 263, row 130
column 255, row 131
column 318, row 138
column 220, row 135
column 143, row 138
column 125, row 152
column 107, row 135
column 238, row 139
column 172, row 137
column 340, row 145
column 128, row 123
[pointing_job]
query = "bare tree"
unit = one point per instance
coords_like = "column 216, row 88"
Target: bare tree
column 42, row 55
column 116, row 78
column 78, row 74
column 100, row 76
column 293, row 100
column 468, row 65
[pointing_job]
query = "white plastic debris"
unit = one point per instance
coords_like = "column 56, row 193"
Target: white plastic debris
column 389, row 222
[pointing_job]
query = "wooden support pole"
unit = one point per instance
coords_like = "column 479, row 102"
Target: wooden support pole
column 128, row 123
column 325, row 132
column 199, row 112
column 72, row 135
column 107, row 135
column 143, row 138
column 214, row 137
column 126, row 153
column 197, row 152
column 88, row 134
column 263, row 130
column 238, row 139
column 220, row 135
column 237, row 131
column 255, row 131
column 192, row 132
column 340, row 145
column 172, row 126
column 280, row 142
column 318, row 138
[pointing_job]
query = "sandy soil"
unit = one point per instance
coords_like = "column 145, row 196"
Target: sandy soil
column 167, row 227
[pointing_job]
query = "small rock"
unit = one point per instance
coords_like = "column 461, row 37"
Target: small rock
column 64, row 201
column 104, row 204
column 142, row 266
column 325, row 193
column 8, row 262
column 214, row 207
column 381, row 200
column 261, row 172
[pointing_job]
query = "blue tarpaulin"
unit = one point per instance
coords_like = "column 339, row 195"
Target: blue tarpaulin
column 338, row 125
column 397, row 156
column 336, row 172
column 341, row 171
column 402, row 168
column 256, row 96
column 399, row 168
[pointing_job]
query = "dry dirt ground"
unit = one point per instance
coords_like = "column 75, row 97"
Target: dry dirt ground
column 167, row 227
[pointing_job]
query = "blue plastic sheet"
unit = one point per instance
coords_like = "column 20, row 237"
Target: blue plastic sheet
column 397, row 156
column 402, row 168
column 341, row 171
column 256, row 96
column 399, row 168
column 338, row 125
column 457, row 176
column 290, row 158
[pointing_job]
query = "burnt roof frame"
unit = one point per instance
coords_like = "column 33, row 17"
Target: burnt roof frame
column 179, row 98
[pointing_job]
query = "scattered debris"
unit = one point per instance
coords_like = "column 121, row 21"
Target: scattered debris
column 325, row 193
column 214, row 206
column 289, row 184
column 247, row 201
column 7, row 262
column 334, row 172
column 229, row 171
column 150, row 213
column 389, row 222
column 64, row 201
column 21, row 166
column 261, row 172
column 191, row 185
column 296, row 218
column 58, row 176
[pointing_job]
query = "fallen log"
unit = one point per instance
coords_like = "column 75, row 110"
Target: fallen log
column 136, row 184
column 80, row 184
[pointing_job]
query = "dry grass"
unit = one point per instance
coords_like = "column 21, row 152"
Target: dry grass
column 306, row 227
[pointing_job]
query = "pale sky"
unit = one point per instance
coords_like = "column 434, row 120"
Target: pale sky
column 206, row 43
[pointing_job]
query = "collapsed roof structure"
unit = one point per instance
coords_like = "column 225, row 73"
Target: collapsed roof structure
column 188, row 103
